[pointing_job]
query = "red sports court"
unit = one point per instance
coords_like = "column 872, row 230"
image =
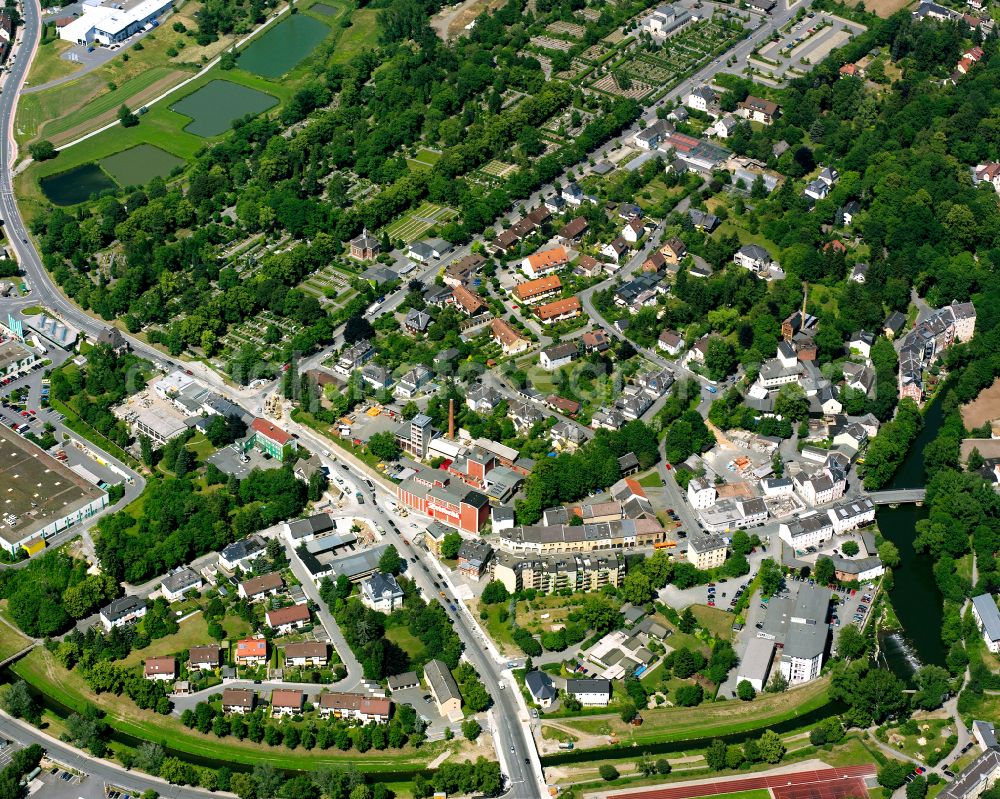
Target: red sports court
column 829, row 783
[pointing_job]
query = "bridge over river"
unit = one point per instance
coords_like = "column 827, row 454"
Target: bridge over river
column 898, row 496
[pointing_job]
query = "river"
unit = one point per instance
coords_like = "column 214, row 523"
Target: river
column 915, row 595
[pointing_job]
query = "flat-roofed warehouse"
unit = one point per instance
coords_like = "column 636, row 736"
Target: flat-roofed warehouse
column 39, row 496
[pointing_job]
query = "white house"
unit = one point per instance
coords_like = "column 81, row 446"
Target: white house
column 558, row 355
column 753, row 257
column 701, row 98
column 381, row 592
column 175, row 585
column 122, row 611
column 984, row 610
column 590, row 693
column 851, row 515
column 701, row 493
column 806, row 531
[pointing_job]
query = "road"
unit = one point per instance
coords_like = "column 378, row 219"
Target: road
column 95, row 767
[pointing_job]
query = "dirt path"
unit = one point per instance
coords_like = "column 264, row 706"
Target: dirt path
column 450, row 22
column 983, row 408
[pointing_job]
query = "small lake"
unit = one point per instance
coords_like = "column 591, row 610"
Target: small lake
column 915, row 596
column 76, row 185
column 324, row 10
column 284, row 46
column 215, row 106
column 138, row 165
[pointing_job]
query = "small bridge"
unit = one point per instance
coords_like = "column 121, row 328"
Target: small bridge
column 899, row 496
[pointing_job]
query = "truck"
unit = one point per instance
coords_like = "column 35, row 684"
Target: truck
column 566, row 745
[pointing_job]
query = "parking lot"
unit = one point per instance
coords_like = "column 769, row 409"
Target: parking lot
column 806, row 42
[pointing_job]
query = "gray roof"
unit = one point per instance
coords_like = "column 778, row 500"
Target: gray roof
column 181, row 580
column 807, row 626
column 244, row 548
column 122, row 607
column 756, row 252
column 756, row 660
column 540, row 685
column 588, row 687
column 706, row 543
column 986, row 731
column 380, row 584
column 399, row 681
column 475, row 552
column 502, row 513
column 312, row 525
column 441, row 681
column 986, row 609
column 973, row 779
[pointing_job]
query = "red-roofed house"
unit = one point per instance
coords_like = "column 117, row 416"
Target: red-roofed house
column 469, row 301
column 269, row 438
column 164, row 668
column 286, row 703
column 251, row 651
column 284, row 620
column 542, row 263
column 850, row 71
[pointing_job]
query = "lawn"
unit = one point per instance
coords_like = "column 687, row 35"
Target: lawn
column 405, row 640
column 48, row 65
column 717, row 718
column 362, row 35
column 541, row 613
column 192, row 631
column 499, row 631
column 717, row 621
column 760, row 793
column 651, row 480
column 41, row 670
column 921, row 738
column 11, row 641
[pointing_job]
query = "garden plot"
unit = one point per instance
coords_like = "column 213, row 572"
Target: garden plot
column 416, row 223
column 266, row 332
column 567, row 28
column 511, row 97
column 594, row 53
column 562, row 125
column 548, row 43
column 589, row 14
column 617, row 36
column 651, row 70
column 635, row 91
column 329, row 285
column 499, row 169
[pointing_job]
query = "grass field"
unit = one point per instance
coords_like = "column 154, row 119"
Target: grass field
column 885, row 8
column 40, row 669
column 192, row 631
column 717, row 621
column 720, row 718
column 11, row 641
column 405, row 640
column 49, row 65
column 362, row 35
column 415, row 224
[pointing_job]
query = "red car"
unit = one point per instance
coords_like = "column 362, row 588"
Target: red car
column 669, row 467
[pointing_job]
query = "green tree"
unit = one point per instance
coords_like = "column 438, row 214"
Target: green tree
column 745, row 691
column 715, row 755
column 42, row 150
column 770, row 577
column 390, row 562
column 771, row 747
column 825, row 571
column 792, row 403
column 608, row 772
column 851, row 643
column 384, row 446
column 471, row 729
column 636, row 588
column 893, row 774
column 850, row 548
column 18, row 701
column 917, row 788
column 127, row 118
column 450, row 544
column 888, row 553
column 688, row 623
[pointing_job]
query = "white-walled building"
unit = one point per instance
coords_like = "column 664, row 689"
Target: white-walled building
column 111, row 25
column 701, row 493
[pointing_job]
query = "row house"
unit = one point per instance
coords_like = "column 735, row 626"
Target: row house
column 545, row 262
column 558, row 311
column 359, row 707
column 509, row 340
column 534, row 291
column 561, row 538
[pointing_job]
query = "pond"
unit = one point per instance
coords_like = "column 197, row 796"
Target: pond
column 138, row 165
column 324, row 10
column 215, row 106
column 284, row 46
column 76, row 185
column 915, row 595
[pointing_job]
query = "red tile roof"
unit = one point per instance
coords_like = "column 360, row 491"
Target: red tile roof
column 270, row 430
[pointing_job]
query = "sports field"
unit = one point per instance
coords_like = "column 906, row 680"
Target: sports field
column 829, row 783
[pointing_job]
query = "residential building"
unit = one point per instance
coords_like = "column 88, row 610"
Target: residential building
column 757, row 109
column 649, row 137
column 983, row 772
column 987, row 173
column 545, row 262
column 122, row 611
column 160, row 669
column 242, row 553
column 473, row 558
column 307, row 653
column 701, row 98
column 284, row 620
column 534, row 291
column 572, row 231
column 562, row 538
column 859, row 273
column 510, row 341
column 615, row 250
column 381, row 592
column 585, row 572
column 468, row 301
column 725, row 127
column 552, row 312
column 753, row 257
column 702, row 221
column 634, row 230
column 251, row 652
column 204, row 658
column 178, row 583
column 444, row 689
column 670, row 342
column 302, row 531
column 558, row 355
column 286, row 703
column 354, row 357
column 984, row 611
column 595, row 341
column 416, row 321
column 706, row 551
column 590, row 693
column 355, row 706
column 238, row 700
column 539, row 685
column 701, row 493
column 260, row 587
column 428, row 250
column 413, row 382
column 482, row 398
column 804, row 630
column 812, row 530
column 847, row 214
column 673, row 250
